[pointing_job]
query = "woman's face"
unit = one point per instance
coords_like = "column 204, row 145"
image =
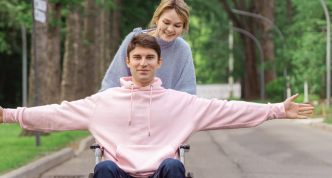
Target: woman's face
column 169, row 25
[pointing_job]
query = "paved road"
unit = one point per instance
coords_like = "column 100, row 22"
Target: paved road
column 275, row 149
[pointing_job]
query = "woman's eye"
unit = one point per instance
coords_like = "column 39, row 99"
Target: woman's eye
column 166, row 23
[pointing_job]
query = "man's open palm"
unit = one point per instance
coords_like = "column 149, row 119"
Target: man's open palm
column 296, row 110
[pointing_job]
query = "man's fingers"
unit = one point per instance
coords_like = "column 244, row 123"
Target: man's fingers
column 293, row 97
column 305, row 105
column 302, row 117
column 306, row 108
column 305, row 112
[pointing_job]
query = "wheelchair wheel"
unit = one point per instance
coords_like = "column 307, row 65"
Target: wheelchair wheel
column 190, row 175
column 91, row 175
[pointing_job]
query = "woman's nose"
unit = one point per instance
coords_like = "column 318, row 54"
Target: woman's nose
column 170, row 28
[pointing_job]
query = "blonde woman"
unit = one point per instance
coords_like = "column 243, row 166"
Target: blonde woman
column 170, row 20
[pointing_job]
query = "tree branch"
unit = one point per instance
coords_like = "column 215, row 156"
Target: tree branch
column 241, row 6
column 231, row 14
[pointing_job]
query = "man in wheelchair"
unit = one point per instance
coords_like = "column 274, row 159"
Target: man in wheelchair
column 141, row 125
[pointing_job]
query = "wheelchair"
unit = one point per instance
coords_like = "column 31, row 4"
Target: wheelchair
column 99, row 153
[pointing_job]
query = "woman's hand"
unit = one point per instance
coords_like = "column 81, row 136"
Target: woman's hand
column 1, row 113
column 295, row 110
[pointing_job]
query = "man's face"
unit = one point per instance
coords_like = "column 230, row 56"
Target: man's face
column 143, row 64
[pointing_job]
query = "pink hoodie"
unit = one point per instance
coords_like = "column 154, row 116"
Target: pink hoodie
column 138, row 126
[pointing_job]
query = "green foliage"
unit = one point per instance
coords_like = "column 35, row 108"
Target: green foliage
column 136, row 14
column 300, row 98
column 306, row 45
column 18, row 151
column 208, row 38
column 275, row 90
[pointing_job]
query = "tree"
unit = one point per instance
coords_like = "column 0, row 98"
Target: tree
column 72, row 54
column 53, row 52
column 85, row 84
column 116, row 28
column 105, row 39
column 252, row 90
column 266, row 9
column 42, row 60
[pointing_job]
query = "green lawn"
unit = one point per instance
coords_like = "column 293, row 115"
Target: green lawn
column 17, row 151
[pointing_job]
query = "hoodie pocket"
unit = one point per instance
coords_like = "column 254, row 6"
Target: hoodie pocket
column 142, row 158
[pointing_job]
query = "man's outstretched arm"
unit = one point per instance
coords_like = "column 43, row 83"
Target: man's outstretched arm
column 222, row 114
column 75, row 115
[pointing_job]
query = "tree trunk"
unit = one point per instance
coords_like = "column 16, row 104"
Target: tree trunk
column 116, row 28
column 266, row 9
column 72, row 55
column 86, row 64
column 97, row 50
column 105, row 43
column 54, row 57
column 41, row 46
column 289, row 11
column 251, row 88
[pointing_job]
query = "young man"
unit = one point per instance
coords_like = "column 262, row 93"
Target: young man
column 141, row 124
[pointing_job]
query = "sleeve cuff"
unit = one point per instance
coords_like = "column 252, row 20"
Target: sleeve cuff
column 277, row 111
column 12, row 115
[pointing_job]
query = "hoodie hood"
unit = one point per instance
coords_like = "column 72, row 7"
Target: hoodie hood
column 127, row 83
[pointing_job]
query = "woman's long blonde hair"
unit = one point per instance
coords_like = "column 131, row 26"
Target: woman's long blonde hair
column 181, row 8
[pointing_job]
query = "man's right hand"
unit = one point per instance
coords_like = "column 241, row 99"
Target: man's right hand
column 1, row 113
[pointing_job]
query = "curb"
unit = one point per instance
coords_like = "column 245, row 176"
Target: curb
column 85, row 144
column 41, row 165
column 323, row 126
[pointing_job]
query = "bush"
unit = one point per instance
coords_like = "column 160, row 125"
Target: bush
column 275, row 90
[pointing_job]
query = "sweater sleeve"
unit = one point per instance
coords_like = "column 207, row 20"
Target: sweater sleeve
column 75, row 115
column 187, row 81
column 223, row 114
column 118, row 67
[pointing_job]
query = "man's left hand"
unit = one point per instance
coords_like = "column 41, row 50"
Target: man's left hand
column 296, row 110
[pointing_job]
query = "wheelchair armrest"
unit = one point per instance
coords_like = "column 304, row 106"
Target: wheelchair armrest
column 94, row 146
column 186, row 147
column 98, row 150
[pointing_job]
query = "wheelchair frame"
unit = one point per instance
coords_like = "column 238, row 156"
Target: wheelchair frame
column 99, row 153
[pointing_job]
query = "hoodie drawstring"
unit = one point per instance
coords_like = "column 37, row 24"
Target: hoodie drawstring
column 151, row 86
column 131, row 106
column 131, row 103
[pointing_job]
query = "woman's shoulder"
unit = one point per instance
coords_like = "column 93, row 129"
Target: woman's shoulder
column 136, row 31
column 181, row 43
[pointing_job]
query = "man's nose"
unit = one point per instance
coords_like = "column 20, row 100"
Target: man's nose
column 143, row 62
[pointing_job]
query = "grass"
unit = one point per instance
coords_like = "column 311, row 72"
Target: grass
column 17, row 151
column 328, row 120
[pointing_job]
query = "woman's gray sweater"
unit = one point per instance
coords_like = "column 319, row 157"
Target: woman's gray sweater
column 176, row 72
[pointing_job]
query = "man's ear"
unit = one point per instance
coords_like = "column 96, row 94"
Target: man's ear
column 159, row 63
column 127, row 61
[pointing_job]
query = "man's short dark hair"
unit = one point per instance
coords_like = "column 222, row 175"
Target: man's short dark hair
column 146, row 41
